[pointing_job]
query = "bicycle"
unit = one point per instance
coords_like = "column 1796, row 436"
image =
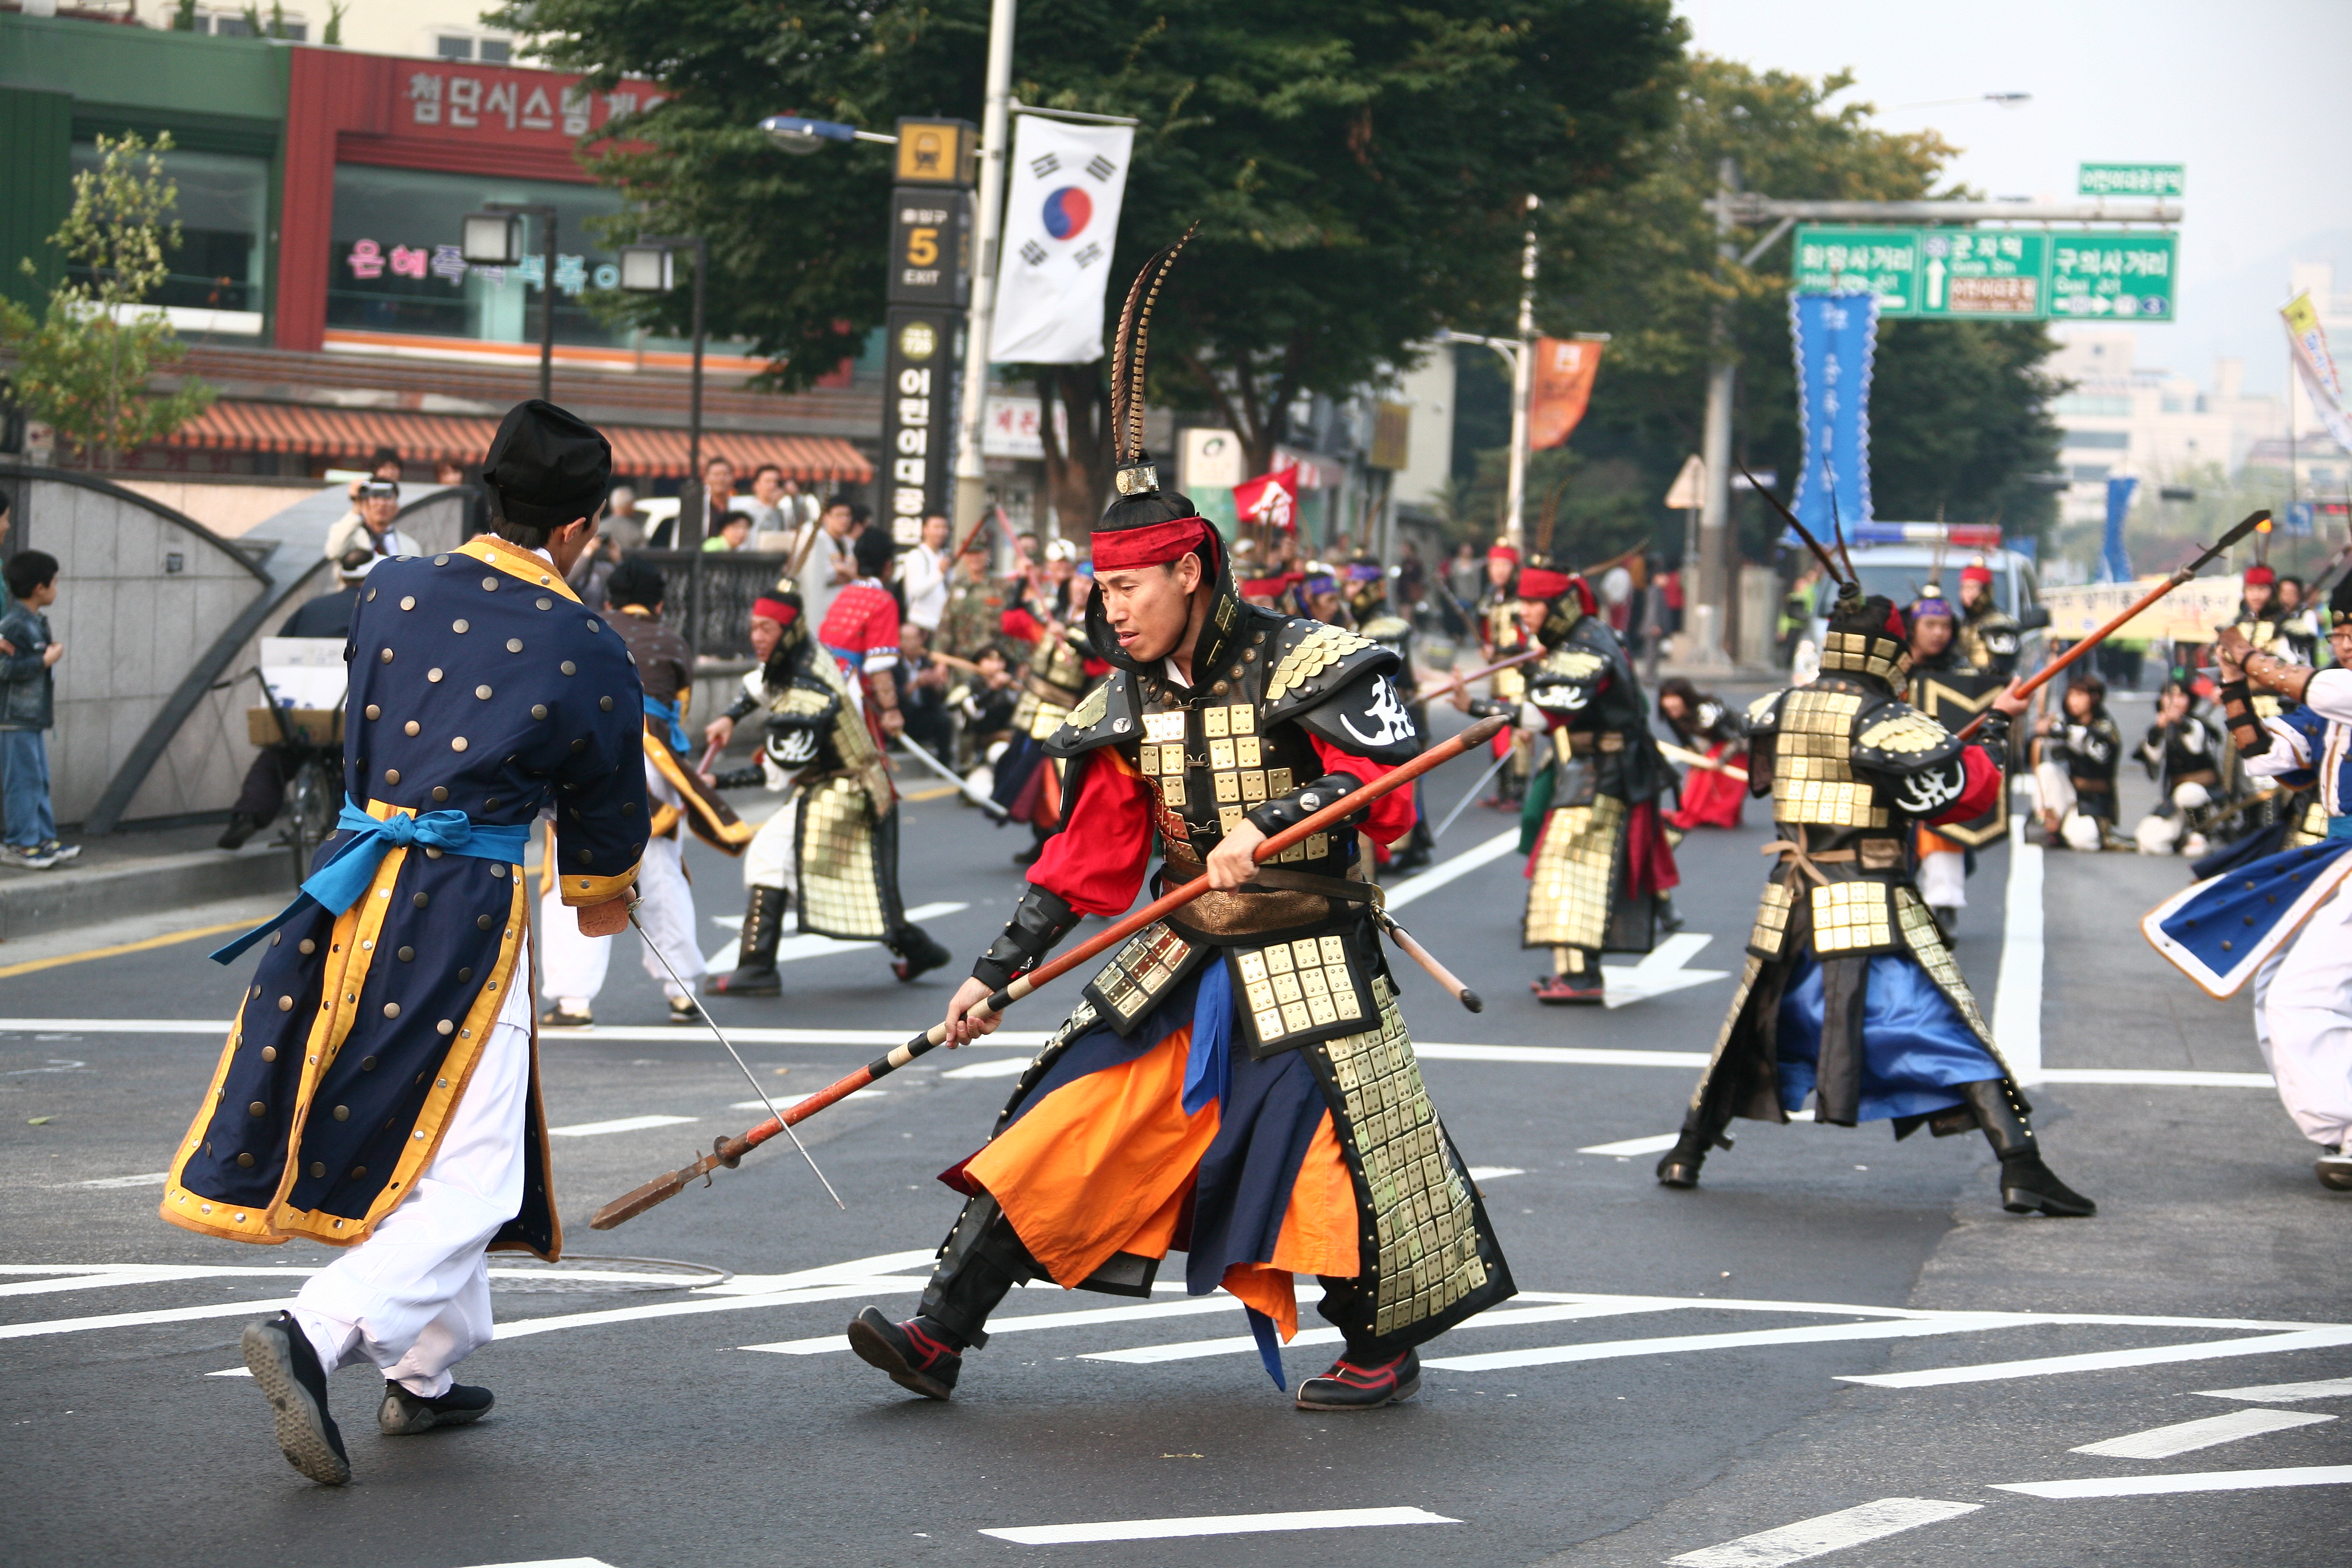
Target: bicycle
column 314, row 784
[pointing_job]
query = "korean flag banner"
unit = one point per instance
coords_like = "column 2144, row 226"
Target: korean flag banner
column 1062, row 198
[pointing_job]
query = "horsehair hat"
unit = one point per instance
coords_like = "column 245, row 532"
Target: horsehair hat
column 1144, row 525
column 547, row 467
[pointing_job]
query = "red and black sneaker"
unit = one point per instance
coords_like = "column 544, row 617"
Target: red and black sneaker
column 1562, row 990
column 1363, row 1385
column 912, row 1352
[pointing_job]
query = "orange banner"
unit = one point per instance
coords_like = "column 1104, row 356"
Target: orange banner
column 1563, row 386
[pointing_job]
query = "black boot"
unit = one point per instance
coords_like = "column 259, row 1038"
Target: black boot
column 918, row 952
column 2026, row 1183
column 278, row 1354
column 403, row 1414
column 982, row 1259
column 1678, row 1167
column 1362, row 1382
column 241, row 826
column 754, row 973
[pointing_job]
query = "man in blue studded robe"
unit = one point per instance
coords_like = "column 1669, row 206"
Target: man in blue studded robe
column 379, row 1089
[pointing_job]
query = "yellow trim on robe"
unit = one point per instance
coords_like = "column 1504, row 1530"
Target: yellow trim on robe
column 578, row 890
column 516, row 561
column 727, row 837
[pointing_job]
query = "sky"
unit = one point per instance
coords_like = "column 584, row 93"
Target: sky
column 2248, row 95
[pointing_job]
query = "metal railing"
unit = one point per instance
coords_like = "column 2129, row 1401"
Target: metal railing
column 710, row 594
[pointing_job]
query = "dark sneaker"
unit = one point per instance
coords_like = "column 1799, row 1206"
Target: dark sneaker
column 60, row 854
column 1563, row 990
column 23, row 858
column 918, row 953
column 682, row 1010
column 562, row 1017
column 915, row 1357
column 2335, row 1169
column 1362, row 1386
column 241, row 826
column 403, row 1414
column 750, row 980
column 280, row 1356
column 2027, row 1185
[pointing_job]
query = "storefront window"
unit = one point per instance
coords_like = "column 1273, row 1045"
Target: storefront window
column 394, row 264
column 223, row 212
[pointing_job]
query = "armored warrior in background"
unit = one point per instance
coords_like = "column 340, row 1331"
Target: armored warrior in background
column 1850, row 995
column 1501, row 634
column 379, row 1088
column 1237, row 1082
column 1949, row 689
column 1602, row 871
column 835, row 840
column 2076, row 755
column 2285, row 920
column 1060, row 667
column 1988, row 635
column 1376, row 620
column 2184, row 752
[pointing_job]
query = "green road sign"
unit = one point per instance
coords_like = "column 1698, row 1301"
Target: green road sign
column 2118, row 276
column 2131, row 179
column 1987, row 274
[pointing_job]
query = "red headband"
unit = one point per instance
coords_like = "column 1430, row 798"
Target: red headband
column 1503, row 553
column 1154, row 545
column 1542, row 583
column 2258, row 576
column 775, row 610
column 1977, row 574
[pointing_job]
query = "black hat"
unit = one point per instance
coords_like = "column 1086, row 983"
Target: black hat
column 872, row 551
column 636, row 581
column 547, row 467
column 2339, row 603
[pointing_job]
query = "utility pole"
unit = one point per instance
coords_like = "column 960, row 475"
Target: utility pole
column 1522, row 388
column 1713, row 611
column 995, row 133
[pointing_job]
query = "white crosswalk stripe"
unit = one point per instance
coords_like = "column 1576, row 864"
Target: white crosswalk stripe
column 1218, row 1524
column 1829, row 1533
column 2188, row 1436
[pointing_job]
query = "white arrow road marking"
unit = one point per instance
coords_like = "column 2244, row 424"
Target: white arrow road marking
column 2284, row 1393
column 1664, row 1140
column 794, row 947
column 2102, row 1361
column 1494, row 1172
column 1659, row 971
column 620, row 1124
column 2188, row 1436
column 2206, row 1481
column 1216, row 1524
column 1827, row 1533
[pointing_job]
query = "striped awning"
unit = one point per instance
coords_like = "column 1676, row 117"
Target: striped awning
column 639, row 451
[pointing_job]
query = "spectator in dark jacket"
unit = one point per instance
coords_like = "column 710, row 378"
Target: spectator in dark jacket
column 29, row 708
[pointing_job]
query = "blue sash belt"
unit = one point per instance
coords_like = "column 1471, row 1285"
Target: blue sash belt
column 341, row 881
column 849, row 656
column 667, row 712
column 2339, row 827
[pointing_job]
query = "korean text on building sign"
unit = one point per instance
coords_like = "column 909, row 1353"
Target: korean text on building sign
column 368, row 261
column 514, row 101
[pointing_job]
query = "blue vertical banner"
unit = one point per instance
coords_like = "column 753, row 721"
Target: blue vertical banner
column 1835, row 336
column 2115, row 562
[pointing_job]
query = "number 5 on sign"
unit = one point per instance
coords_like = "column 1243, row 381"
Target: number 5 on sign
column 923, row 246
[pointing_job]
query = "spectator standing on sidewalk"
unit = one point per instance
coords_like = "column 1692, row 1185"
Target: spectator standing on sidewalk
column 28, row 707
column 371, row 525
column 923, row 573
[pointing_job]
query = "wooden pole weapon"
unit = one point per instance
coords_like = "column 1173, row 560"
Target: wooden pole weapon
column 730, row 1151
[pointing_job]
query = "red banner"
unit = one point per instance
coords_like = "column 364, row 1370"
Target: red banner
column 1270, row 500
column 1563, row 386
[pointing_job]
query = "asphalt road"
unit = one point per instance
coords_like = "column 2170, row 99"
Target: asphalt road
column 650, row 1417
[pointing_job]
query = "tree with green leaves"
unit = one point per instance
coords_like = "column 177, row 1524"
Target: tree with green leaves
column 1959, row 409
column 84, row 363
column 1359, row 169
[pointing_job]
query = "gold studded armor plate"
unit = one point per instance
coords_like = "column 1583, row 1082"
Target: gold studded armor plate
column 1812, row 768
column 1294, row 992
column 1126, row 990
column 849, row 886
column 1852, row 918
column 1571, row 893
column 1771, row 921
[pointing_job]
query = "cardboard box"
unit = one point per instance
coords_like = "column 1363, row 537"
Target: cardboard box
column 321, row 726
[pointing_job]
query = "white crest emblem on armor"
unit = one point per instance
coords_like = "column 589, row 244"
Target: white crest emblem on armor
column 1930, row 790
column 793, row 746
column 1395, row 723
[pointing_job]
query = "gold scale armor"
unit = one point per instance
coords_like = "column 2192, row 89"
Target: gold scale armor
column 1050, row 686
column 847, row 875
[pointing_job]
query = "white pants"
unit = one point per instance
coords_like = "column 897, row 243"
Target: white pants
column 413, row 1298
column 572, row 966
column 2302, row 1022
column 1944, row 879
column 769, row 860
column 2053, row 789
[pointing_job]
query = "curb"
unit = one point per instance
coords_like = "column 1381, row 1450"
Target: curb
column 50, row 900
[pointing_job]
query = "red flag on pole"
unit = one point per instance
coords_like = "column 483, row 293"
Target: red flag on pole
column 1270, row 500
column 1563, row 386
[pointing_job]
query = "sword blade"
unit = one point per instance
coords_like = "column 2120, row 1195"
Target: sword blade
column 952, row 777
column 654, row 948
column 1464, row 803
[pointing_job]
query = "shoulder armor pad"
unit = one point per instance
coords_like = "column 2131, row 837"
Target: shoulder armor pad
column 804, row 702
column 1386, row 628
column 1764, row 714
column 1312, row 661
column 1103, row 717
column 1568, row 664
column 1896, row 738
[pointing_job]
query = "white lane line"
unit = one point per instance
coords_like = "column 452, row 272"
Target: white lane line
column 2284, row 1393
column 2102, row 1361
column 1028, row 1040
column 1215, row 1524
column 1629, row 1147
column 136, row 1320
column 1192, row 1350
column 793, row 948
column 2017, row 996
column 1445, row 871
column 1660, row 972
column 1827, row 1533
column 1558, row 1056
column 1084, row 1318
column 151, row 1179
column 1494, row 1172
column 152, row 1273
column 846, row 1292
column 2202, row 1481
column 1012, row 1066
column 2156, row 1077
column 1676, row 1345
column 619, row 1124
column 2188, row 1436
column 555, row 1563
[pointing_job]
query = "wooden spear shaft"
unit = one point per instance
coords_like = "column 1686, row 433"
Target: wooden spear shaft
column 730, row 1151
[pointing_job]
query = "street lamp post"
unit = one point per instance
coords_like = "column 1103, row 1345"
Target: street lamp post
column 1522, row 365
column 649, row 266
column 493, row 238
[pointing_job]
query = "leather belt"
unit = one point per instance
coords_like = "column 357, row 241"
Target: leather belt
column 1797, row 852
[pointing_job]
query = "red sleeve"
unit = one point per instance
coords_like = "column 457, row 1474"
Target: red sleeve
column 1096, row 861
column 1390, row 817
column 1978, row 795
column 1019, row 623
column 880, row 642
column 1096, row 669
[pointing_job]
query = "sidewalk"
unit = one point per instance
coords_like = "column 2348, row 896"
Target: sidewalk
column 123, row 873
